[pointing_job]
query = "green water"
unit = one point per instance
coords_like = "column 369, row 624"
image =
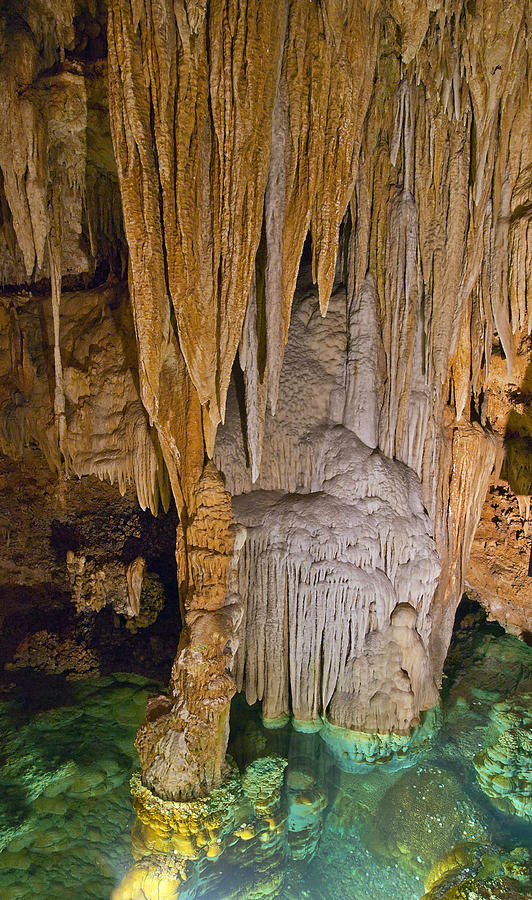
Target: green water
column 67, row 754
column 66, row 758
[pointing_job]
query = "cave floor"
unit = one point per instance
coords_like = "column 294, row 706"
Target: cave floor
column 66, row 815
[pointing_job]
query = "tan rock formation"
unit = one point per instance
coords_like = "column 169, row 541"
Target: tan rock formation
column 498, row 568
column 236, row 130
column 107, row 431
column 183, row 739
column 498, row 571
column 47, row 653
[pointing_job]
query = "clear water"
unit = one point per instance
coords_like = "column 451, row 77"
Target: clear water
column 67, row 755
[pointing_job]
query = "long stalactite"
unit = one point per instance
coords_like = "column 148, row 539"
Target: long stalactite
column 393, row 137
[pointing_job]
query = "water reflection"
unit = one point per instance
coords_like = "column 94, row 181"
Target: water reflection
column 289, row 823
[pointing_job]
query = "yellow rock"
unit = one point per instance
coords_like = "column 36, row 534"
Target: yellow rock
column 184, row 846
column 214, row 850
column 201, row 840
column 245, row 833
column 142, row 884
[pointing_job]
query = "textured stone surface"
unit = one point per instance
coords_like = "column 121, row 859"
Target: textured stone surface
column 504, row 767
column 396, row 134
column 481, row 872
column 422, row 814
column 498, row 568
column 65, row 551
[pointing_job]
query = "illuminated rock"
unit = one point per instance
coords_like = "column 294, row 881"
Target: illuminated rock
column 479, row 872
column 398, row 137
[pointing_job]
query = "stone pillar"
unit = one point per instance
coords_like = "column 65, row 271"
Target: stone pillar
column 183, row 739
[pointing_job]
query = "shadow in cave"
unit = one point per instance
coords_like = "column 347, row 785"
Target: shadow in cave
column 470, row 627
column 517, row 465
column 25, row 609
column 31, row 693
column 15, row 809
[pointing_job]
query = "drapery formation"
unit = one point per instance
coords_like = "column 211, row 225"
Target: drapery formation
column 236, row 130
column 396, row 132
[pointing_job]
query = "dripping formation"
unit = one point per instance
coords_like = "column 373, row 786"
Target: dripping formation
column 160, row 329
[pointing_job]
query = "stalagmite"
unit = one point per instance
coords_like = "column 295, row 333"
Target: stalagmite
column 253, row 166
column 183, row 739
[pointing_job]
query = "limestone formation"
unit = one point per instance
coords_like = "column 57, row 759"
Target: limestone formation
column 46, row 653
column 183, row 739
column 322, row 575
column 204, row 149
column 504, row 767
column 107, row 430
column 420, row 816
column 478, row 871
column 497, row 575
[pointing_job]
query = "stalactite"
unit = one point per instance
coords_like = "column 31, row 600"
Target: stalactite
column 239, row 133
column 108, row 433
column 468, row 459
column 321, row 103
column 197, row 122
column 362, row 401
column 321, row 570
column 59, row 388
column 255, row 389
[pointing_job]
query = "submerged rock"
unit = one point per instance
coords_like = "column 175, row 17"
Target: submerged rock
column 504, row 768
column 481, row 872
column 422, row 815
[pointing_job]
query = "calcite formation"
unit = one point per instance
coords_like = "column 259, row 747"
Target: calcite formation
column 306, row 804
column 108, row 432
column 177, row 841
column 477, row 871
column 47, row 653
column 499, row 578
column 335, row 590
column 196, row 146
column 497, row 575
column 420, row 816
column 504, row 767
column 66, row 548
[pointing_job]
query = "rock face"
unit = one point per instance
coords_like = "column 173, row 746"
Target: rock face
column 107, row 430
column 201, row 143
column 498, row 571
column 498, row 568
column 66, row 549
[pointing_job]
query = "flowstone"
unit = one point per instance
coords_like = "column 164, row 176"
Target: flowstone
column 358, row 751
